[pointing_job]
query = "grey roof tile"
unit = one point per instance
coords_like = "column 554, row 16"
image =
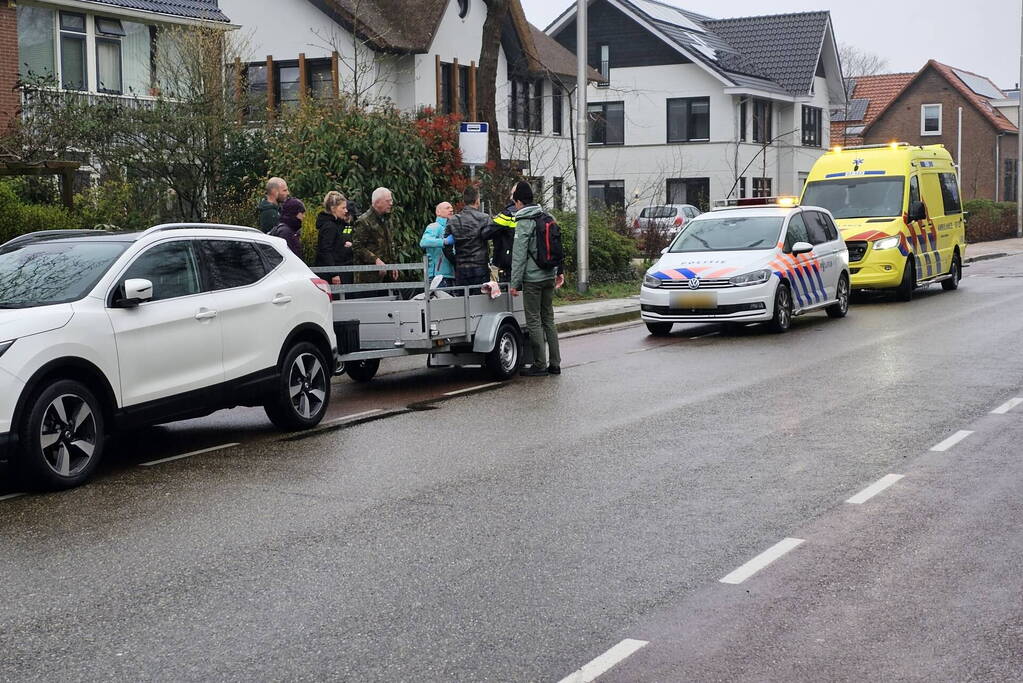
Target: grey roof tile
column 191, row 9
column 781, row 47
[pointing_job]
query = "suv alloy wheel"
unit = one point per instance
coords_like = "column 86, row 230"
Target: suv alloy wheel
column 63, row 437
column 303, row 389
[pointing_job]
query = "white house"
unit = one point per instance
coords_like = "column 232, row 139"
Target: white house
column 102, row 47
column 416, row 54
column 692, row 109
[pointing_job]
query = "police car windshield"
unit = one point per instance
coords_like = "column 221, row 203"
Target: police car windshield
column 857, row 197
column 729, row 233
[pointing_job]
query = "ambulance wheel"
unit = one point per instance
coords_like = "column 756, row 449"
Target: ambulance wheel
column 956, row 271
column 782, row 319
column 904, row 292
column 840, row 307
column 503, row 360
column 659, row 329
column 363, row 370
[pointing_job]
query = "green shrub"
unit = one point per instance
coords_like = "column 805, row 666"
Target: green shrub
column 18, row 219
column 117, row 204
column 610, row 252
column 337, row 147
column 987, row 220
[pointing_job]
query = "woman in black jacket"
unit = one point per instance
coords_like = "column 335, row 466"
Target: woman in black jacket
column 334, row 240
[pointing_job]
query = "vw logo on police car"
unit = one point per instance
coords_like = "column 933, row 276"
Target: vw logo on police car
column 694, row 283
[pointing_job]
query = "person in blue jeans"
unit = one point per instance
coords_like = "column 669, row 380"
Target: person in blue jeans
column 433, row 242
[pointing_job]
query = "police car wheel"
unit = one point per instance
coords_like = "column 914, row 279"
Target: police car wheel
column 840, row 307
column 904, row 292
column 659, row 329
column 956, row 271
column 782, row 319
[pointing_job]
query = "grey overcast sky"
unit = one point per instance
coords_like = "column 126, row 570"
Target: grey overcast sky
column 982, row 36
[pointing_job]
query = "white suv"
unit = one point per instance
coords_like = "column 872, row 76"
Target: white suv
column 102, row 330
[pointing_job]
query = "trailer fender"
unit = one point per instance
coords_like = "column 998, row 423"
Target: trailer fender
column 486, row 333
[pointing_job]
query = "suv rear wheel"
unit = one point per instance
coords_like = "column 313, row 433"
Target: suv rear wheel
column 62, row 438
column 303, row 390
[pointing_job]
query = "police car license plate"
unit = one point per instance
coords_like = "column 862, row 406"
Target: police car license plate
column 694, row 300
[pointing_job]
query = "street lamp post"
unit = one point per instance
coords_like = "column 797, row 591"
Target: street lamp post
column 581, row 154
column 1019, row 135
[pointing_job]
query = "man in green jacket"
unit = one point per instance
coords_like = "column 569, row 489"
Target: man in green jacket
column 373, row 237
column 268, row 211
column 537, row 284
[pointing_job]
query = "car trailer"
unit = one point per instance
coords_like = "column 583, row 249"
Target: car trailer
column 452, row 326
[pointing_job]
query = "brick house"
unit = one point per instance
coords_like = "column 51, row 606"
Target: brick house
column 99, row 48
column 926, row 112
column 867, row 96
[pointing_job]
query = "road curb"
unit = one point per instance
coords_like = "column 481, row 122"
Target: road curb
column 986, row 257
column 597, row 320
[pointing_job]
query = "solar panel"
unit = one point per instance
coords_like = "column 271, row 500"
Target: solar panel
column 979, row 85
column 666, row 13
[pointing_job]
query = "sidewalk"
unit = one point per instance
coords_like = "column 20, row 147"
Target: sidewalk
column 981, row 251
column 572, row 317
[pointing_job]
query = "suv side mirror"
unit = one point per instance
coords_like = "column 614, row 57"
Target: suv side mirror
column 136, row 291
column 917, row 212
column 664, row 251
column 802, row 248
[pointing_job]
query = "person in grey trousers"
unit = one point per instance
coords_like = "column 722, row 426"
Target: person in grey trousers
column 537, row 285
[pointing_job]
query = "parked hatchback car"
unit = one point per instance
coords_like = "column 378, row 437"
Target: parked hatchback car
column 667, row 218
column 100, row 331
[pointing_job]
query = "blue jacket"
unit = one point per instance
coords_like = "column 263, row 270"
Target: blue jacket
column 433, row 243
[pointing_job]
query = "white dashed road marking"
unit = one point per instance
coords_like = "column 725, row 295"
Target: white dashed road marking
column 1007, row 406
column 353, row 416
column 951, row 441
column 701, row 336
column 468, row 389
column 762, row 560
column 11, row 496
column 188, row 455
column 604, row 662
column 874, row 489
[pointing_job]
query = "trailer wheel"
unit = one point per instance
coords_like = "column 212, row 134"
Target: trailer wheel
column 503, row 360
column 363, row 370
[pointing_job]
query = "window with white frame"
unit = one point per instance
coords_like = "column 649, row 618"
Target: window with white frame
column 930, row 119
column 85, row 52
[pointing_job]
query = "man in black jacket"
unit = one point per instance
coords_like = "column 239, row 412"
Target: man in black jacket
column 334, row 237
column 502, row 231
column 471, row 255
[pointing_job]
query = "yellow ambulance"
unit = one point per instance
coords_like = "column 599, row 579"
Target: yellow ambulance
column 899, row 211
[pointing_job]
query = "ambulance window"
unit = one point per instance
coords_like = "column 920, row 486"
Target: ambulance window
column 950, row 193
column 796, row 232
column 914, row 190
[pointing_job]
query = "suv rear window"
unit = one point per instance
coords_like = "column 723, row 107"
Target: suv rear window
column 54, row 272
column 232, row 263
column 658, row 212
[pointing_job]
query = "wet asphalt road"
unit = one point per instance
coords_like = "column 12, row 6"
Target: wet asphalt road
column 521, row 532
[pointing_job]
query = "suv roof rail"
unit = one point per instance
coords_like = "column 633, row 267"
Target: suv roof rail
column 202, row 226
column 44, row 235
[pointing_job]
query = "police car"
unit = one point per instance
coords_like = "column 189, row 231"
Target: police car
column 749, row 262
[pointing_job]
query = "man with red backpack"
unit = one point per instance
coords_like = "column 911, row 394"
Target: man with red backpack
column 537, row 270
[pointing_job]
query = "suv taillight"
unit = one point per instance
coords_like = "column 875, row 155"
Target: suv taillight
column 678, row 221
column 635, row 224
column 323, row 286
